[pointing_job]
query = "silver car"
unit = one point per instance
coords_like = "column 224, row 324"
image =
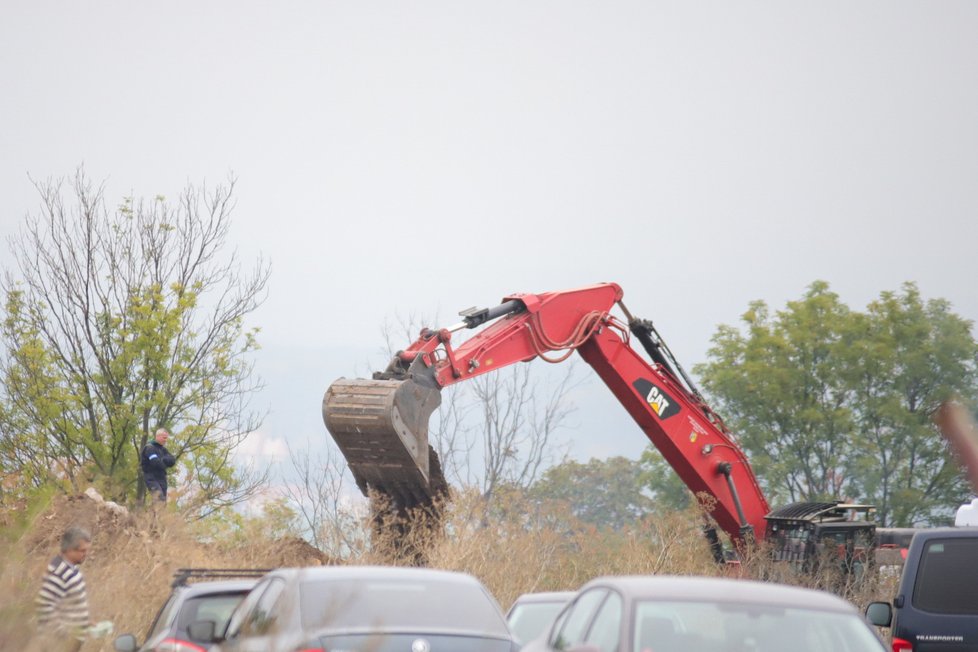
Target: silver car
column 531, row 613
column 380, row 609
column 701, row 614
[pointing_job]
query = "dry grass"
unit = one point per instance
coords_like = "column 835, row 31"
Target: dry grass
column 521, row 547
column 516, row 549
column 130, row 566
column 523, row 550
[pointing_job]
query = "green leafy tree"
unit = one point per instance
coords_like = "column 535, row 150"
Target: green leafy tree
column 834, row 403
column 907, row 356
column 658, row 477
column 120, row 322
column 778, row 385
column 605, row 493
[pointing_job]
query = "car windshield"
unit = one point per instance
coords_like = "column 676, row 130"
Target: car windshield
column 399, row 605
column 164, row 617
column 216, row 607
column 719, row 627
column 529, row 619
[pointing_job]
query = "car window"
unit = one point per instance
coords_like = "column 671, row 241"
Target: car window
column 529, row 619
column 244, row 609
column 947, row 576
column 397, row 603
column 662, row 625
column 576, row 621
column 606, row 628
column 215, row 607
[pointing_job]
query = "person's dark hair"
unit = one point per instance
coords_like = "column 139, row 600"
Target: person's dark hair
column 73, row 536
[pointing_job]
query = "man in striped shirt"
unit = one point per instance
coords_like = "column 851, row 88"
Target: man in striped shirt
column 62, row 604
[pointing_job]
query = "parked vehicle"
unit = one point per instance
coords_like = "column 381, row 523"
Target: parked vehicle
column 193, row 600
column 701, row 614
column 380, row 609
column 532, row 613
column 936, row 609
column 967, row 514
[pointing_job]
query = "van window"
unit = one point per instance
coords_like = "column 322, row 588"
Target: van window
column 947, row 577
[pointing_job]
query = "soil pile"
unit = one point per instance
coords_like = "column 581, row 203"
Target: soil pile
column 295, row 552
column 130, row 567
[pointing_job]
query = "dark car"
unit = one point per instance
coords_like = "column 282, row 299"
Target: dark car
column 702, row 614
column 380, row 609
column 936, row 608
column 192, row 600
column 532, row 613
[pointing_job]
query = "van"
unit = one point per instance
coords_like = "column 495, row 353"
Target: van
column 967, row 515
column 936, row 608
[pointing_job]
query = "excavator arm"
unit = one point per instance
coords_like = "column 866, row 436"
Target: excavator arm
column 381, row 425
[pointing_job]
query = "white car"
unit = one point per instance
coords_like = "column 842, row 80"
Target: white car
column 702, row 614
column 532, row 613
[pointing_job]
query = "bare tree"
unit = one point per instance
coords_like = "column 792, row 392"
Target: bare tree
column 122, row 321
column 331, row 516
column 520, row 416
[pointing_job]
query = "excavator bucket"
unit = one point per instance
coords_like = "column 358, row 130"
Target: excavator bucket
column 381, row 427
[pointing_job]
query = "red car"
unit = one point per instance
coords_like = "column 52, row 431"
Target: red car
column 193, row 601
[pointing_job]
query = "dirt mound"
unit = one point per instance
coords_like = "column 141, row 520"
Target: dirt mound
column 25, row 559
column 131, row 564
column 293, row 551
column 93, row 514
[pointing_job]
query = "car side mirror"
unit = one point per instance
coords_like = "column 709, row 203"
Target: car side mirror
column 203, row 630
column 879, row 613
column 125, row 643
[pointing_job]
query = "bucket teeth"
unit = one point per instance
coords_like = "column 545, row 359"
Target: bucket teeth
column 381, row 427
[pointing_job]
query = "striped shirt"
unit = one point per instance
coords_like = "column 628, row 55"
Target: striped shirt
column 62, row 604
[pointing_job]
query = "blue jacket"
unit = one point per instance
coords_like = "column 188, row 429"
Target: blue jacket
column 155, row 460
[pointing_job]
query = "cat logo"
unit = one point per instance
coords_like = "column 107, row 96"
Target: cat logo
column 661, row 403
column 657, row 399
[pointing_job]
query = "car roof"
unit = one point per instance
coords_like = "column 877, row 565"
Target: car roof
column 545, row 596
column 922, row 538
column 374, row 573
column 717, row 589
column 958, row 532
column 366, row 574
column 196, row 589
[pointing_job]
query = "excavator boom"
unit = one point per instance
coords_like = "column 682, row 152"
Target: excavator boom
column 381, row 425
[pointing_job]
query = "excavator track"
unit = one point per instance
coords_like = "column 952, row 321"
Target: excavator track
column 381, row 427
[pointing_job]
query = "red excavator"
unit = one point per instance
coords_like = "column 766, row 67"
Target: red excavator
column 381, row 425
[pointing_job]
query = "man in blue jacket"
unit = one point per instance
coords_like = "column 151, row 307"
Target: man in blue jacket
column 155, row 460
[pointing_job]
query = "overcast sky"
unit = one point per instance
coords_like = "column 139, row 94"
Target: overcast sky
column 417, row 158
